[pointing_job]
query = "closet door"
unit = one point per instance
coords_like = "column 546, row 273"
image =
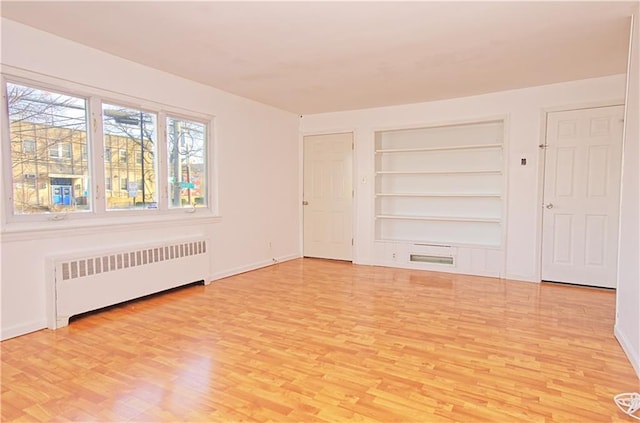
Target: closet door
column 328, row 196
column 581, row 196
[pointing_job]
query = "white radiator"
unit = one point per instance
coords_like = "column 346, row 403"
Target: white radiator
column 88, row 281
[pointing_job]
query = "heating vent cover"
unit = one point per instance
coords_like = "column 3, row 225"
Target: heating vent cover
column 422, row 258
column 117, row 261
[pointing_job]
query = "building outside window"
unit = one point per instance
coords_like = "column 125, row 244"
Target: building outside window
column 133, row 133
column 45, row 127
column 51, row 157
column 186, row 150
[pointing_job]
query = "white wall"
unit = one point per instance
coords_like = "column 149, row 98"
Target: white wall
column 524, row 109
column 257, row 157
column 628, row 294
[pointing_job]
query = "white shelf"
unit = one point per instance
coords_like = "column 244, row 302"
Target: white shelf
column 427, row 149
column 441, row 194
column 441, row 183
column 439, row 172
column 442, row 218
column 439, row 243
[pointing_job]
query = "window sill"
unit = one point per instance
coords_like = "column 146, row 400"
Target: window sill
column 26, row 231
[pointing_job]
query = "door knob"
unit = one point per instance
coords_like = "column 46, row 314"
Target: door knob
column 549, row 206
column 305, row 203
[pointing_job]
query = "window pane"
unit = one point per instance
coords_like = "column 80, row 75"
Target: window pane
column 48, row 134
column 127, row 133
column 28, row 146
column 186, row 144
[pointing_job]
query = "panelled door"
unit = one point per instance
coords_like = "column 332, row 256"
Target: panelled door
column 328, row 196
column 583, row 152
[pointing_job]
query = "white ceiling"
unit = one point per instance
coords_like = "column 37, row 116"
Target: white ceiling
column 311, row 57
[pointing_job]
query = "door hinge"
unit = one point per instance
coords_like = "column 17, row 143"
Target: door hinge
column 352, row 241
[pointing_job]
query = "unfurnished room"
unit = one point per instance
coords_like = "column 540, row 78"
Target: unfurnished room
column 320, row 211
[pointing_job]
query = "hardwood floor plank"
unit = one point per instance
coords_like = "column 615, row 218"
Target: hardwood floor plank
column 317, row 340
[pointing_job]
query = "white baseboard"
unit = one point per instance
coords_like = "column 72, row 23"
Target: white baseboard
column 521, row 278
column 23, row 329
column 253, row 266
column 632, row 355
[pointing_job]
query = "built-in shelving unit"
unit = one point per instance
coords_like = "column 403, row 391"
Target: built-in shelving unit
column 440, row 186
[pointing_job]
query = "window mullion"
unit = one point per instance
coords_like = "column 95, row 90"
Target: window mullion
column 97, row 155
column 161, row 151
column 5, row 167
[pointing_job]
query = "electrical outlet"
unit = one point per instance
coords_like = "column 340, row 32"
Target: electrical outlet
column 393, row 256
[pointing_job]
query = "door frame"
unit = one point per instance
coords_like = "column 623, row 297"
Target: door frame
column 354, row 208
column 541, row 167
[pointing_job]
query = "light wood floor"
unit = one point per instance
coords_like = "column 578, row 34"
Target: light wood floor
column 314, row 340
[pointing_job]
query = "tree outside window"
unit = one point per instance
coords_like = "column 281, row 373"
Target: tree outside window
column 186, row 150
column 131, row 132
column 46, row 127
column 51, row 160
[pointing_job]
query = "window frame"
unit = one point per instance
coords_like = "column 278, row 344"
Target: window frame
column 33, row 146
column 64, row 151
column 208, row 166
column 99, row 214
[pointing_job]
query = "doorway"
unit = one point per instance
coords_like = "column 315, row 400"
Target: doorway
column 581, row 192
column 328, row 196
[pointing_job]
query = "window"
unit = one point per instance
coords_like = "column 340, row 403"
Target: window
column 43, row 123
column 186, row 152
column 60, row 150
column 53, row 156
column 132, row 130
column 65, row 150
column 28, row 146
column 54, row 152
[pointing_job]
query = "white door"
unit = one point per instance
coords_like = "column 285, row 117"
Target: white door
column 328, row 196
column 581, row 196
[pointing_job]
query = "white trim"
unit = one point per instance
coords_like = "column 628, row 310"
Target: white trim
column 47, row 230
column 253, row 266
column 627, row 347
column 584, row 106
column 521, row 278
column 506, row 150
column 485, row 119
column 22, row 329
